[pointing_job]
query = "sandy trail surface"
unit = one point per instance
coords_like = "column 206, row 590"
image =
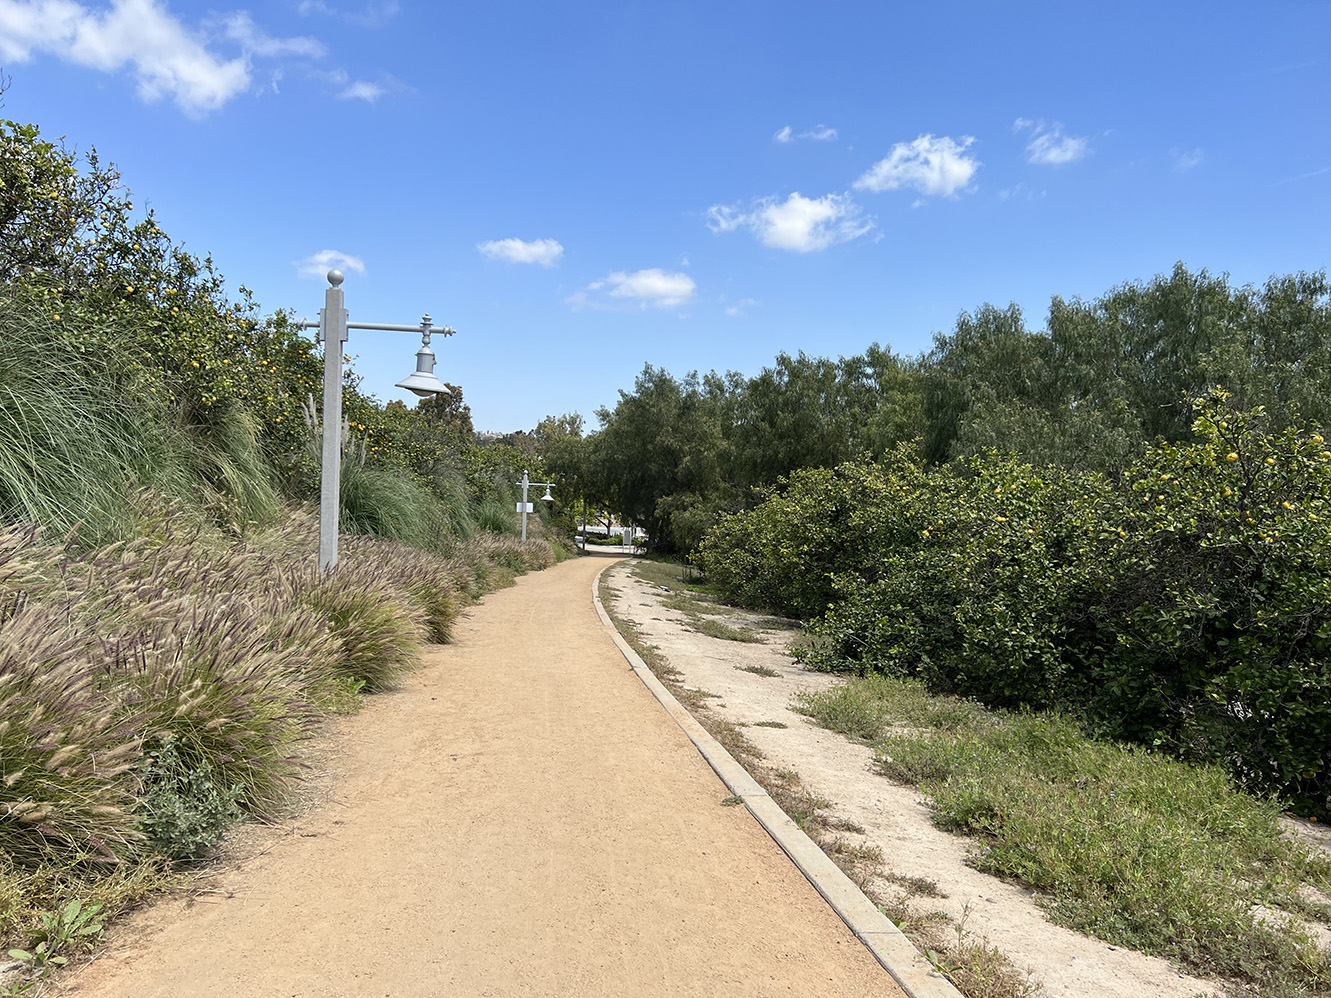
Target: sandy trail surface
column 895, row 819
column 522, row 818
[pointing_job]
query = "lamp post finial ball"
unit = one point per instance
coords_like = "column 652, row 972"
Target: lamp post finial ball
column 335, row 277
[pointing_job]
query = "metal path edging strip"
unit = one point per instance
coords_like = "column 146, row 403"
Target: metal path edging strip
column 888, row 944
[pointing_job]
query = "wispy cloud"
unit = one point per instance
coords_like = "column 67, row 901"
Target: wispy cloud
column 240, row 28
column 362, row 90
column 1049, row 144
column 652, row 288
column 371, row 15
column 818, row 133
column 319, row 264
column 742, row 307
column 933, row 166
column 798, row 224
column 545, row 252
column 1019, row 192
column 347, row 88
column 1303, row 176
column 1187, row 159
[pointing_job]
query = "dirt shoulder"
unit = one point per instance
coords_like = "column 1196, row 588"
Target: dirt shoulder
column 522, row 818
column 894, row 818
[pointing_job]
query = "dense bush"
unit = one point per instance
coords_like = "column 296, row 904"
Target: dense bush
column 1185, row 605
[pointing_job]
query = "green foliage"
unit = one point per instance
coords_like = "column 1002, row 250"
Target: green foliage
column 68, row 928
column 185, row 811
column 1183, row 606
column 1109, row 374
column 1118, row 842
column 674, row 455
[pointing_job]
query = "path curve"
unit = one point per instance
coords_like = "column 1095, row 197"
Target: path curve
column 522, row 818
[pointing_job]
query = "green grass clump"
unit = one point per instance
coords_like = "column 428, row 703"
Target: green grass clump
column 209, row 686
column 863, row 708
column 1121, row 843
column 66, row 789
column 387, row 502
column 436, row 588
column 379, row 632
column 495, row 517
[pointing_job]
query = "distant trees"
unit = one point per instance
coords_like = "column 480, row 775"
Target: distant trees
column 1111, row 374
column 1105, row 377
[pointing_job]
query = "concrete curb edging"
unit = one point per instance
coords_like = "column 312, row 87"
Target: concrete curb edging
column 888, row 944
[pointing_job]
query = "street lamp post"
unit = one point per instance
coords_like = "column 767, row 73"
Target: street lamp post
column 333, row 326
column 525, row 507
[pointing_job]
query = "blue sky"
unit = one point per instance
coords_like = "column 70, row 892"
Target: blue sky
column 581, row 188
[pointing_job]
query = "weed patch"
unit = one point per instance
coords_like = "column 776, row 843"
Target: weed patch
column 1119, row 842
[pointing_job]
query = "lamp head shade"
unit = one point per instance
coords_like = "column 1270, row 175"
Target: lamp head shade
column 423, row 382
column 548, row 497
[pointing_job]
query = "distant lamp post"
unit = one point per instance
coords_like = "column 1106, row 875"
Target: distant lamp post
column 333, row 326
column 526, row 507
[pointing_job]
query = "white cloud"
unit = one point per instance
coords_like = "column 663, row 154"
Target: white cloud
column 168, row 59
column 654, row 287
column 367, row 90
column 818, row 133
column 319, row 264
column 929, row 165
column 362, row 90
column 371, row 15
column 1187, row 159
column 742, row 307
column 1019, row 192
column 1049, row 145
column 545, row 252
column 798, row 224
column 240, row 28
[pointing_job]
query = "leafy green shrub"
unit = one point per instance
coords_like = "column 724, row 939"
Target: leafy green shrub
column 1186, row 605
column 185, row 811
column 1219, row 612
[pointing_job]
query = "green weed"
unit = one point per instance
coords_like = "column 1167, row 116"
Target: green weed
column 66, row 929
column 1121, row 843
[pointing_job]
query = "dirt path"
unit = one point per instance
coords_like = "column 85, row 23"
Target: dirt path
column 521, row 819
column 894, row 818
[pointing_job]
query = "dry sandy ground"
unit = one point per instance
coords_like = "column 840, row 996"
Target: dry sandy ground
column 896, row 820
column 521, row 819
